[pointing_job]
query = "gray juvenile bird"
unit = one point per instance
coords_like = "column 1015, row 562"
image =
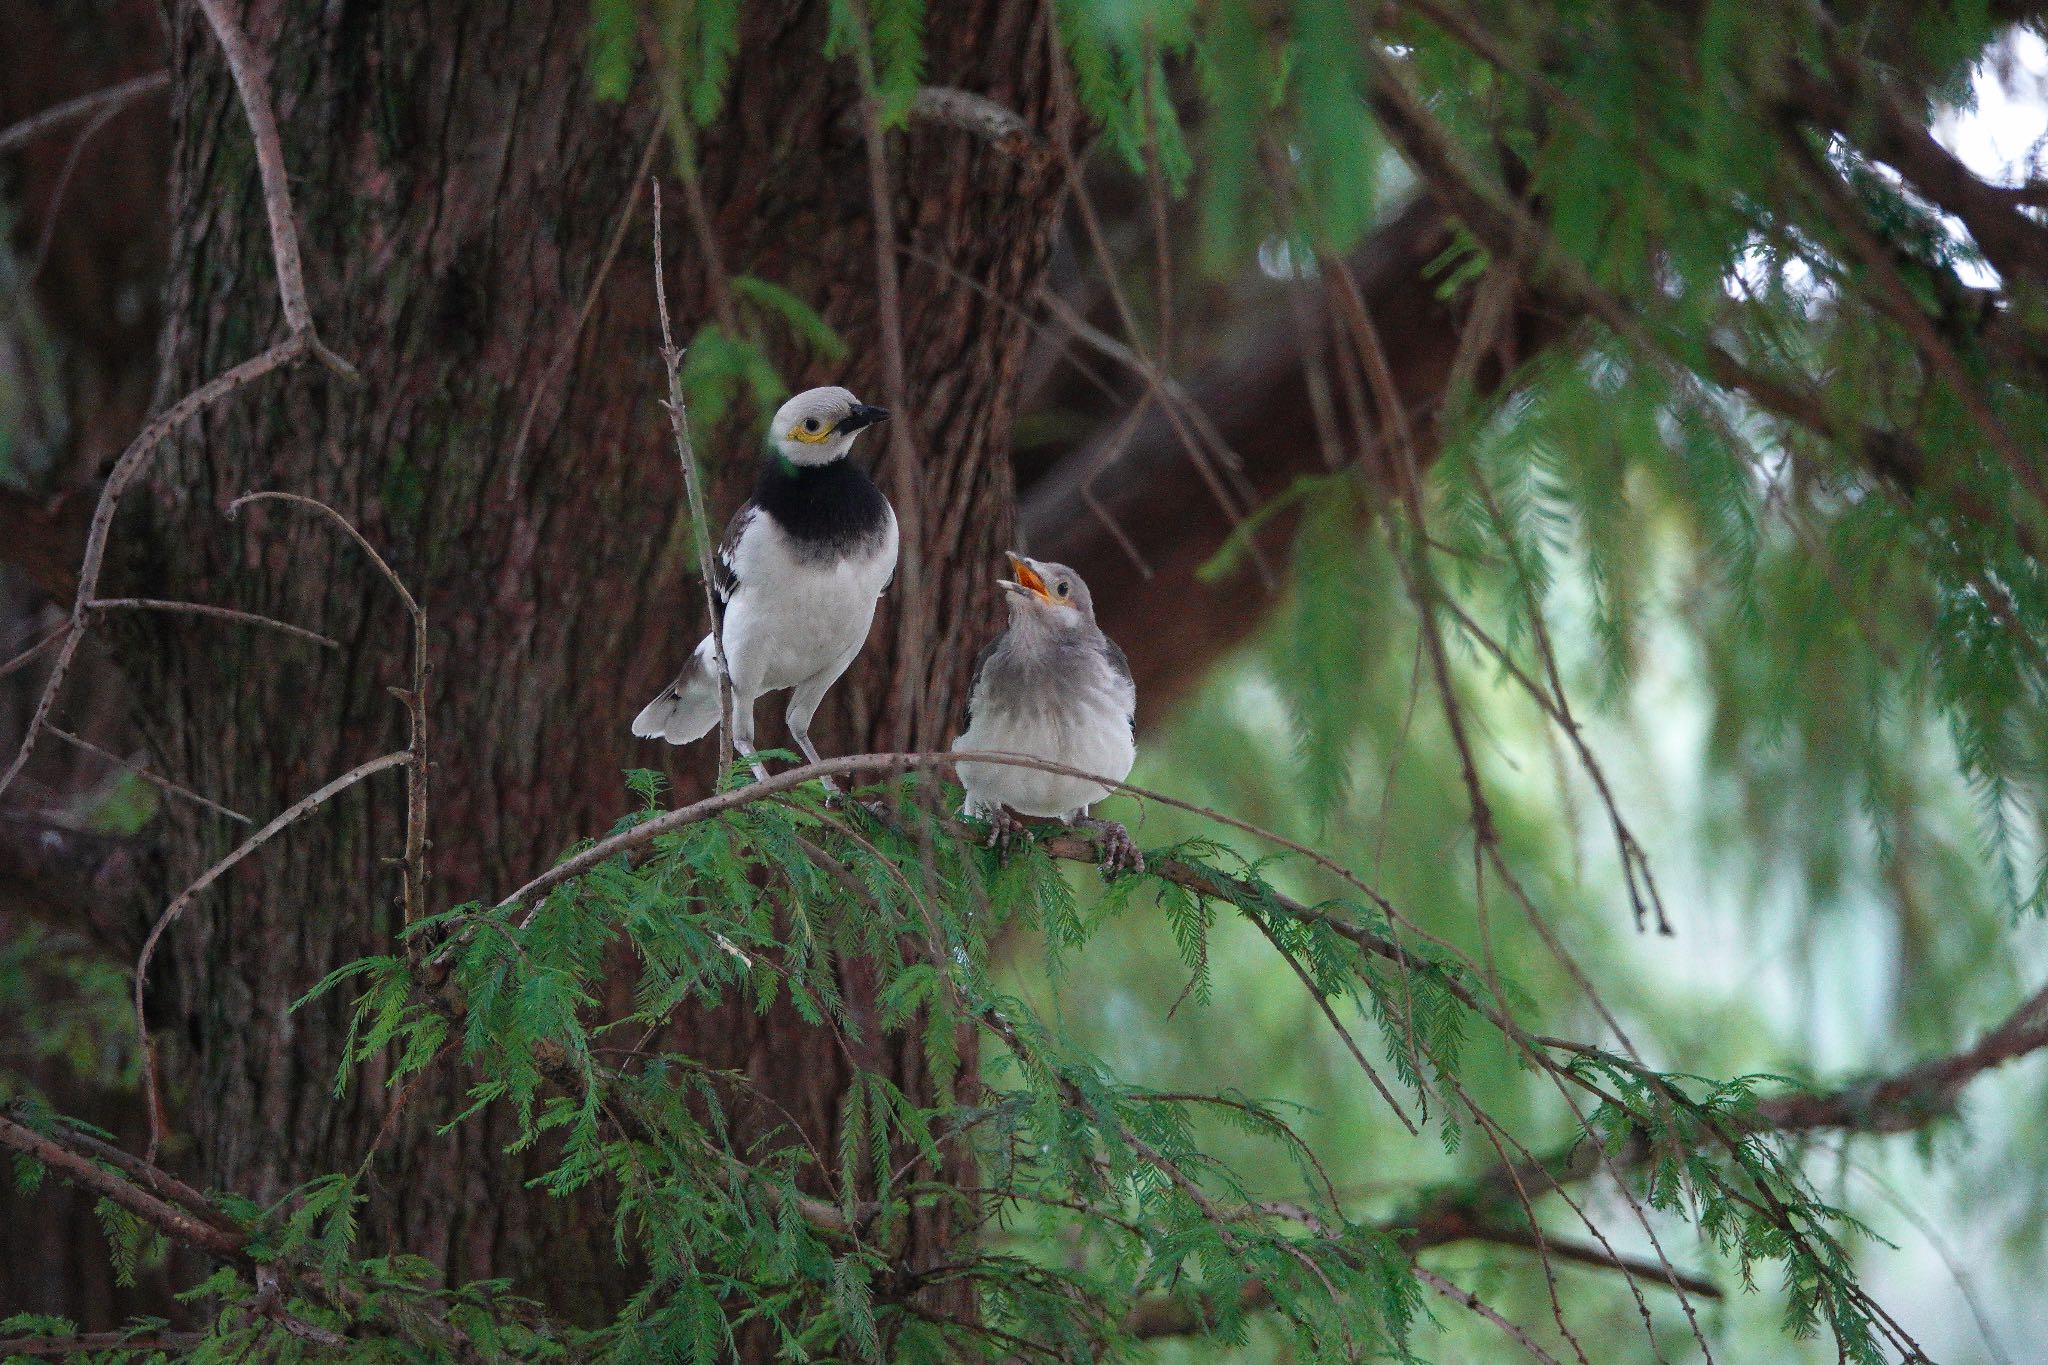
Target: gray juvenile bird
column 1052, row 686
column 801, row 566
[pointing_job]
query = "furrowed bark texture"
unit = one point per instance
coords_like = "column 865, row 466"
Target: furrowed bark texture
column 456, row 181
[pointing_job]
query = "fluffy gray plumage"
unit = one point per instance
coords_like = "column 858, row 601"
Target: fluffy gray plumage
column 1052, row 686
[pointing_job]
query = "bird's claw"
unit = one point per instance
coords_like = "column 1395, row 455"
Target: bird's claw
column 1119, row 854
column 1005, row 831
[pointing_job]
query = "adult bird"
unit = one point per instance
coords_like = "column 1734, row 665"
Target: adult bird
column 799, row 571
column 1052, row 686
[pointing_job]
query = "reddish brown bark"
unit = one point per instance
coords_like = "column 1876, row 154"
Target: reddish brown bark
column 456, row 181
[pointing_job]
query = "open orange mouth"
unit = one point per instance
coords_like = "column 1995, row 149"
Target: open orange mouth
column 1027, row 577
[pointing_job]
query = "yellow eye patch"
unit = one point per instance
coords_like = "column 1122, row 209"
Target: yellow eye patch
column 812, row 432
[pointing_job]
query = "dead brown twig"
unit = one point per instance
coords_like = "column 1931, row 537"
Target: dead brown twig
column 905, row 491
column 693, row 489
column 247, row 618
column 304, row 340
column 253, row 86
column 304, row 806
column 414, row 698
column 161, row 783
column 1458, row 1294
column 84, row 107
column 126, row 470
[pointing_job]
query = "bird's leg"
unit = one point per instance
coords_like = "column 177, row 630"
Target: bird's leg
column 802, row 735
column 743, row 736
column 803, row 704
column 746, row 751
column 1119, row 854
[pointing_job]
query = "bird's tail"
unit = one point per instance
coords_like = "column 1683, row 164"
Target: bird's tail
column 687, row 708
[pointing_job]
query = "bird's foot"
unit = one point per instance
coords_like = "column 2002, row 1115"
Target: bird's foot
column 1119, row 854
column 1005, row 831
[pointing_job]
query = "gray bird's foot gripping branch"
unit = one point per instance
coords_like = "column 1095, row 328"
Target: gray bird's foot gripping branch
column 1119, row 854
column 1006, row 830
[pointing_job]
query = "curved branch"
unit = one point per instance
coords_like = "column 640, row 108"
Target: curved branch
column 85, row 106
column 127, row 469
column 305, row 805
column 254, row 89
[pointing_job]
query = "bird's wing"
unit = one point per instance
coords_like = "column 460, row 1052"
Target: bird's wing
column 725, row 570
column 1121, row 666
column 980, row 666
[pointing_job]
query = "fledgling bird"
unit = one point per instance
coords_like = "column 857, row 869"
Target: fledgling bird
column 800, row 569
column 1052, row 686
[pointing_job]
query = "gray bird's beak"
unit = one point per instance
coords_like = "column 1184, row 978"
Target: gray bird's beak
column 1025, row 581
column 862, row 416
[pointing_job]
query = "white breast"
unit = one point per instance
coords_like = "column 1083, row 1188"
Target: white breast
column 791, row 619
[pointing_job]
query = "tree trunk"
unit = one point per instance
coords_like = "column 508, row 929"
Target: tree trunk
column 456, row 182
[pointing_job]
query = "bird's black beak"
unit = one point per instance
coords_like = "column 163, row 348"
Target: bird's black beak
column 862, row 416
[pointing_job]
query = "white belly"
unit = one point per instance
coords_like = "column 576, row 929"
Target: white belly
column 790, row 620
column 1093, row 736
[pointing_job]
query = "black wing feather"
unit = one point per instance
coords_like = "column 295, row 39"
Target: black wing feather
column 725, row 575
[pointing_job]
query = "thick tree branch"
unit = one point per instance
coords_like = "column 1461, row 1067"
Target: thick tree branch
column 1133, row 515
column 172, row 1220
column 182, row 1214
column 101, row 1343
column 1861, row 104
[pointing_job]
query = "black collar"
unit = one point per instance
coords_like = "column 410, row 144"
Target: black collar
column 832, row 508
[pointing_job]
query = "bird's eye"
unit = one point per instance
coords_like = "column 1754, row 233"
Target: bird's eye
column 810, row 424
column 1061, row 588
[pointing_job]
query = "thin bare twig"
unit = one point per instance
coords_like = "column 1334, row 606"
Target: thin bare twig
column 1322, row 1003
column 85, row 106
column 412, row 605
column 693, row 489
column 126, row 470
column 299, row 809
column 1458, row 1294
column 906, row 493
column 414, row 863
column 1218, row 468
column 247, row 618
column 36, row 650
column 253, row 90
column 515, row 462
column 162, row 783
column 55, row 208
column 253, row 86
